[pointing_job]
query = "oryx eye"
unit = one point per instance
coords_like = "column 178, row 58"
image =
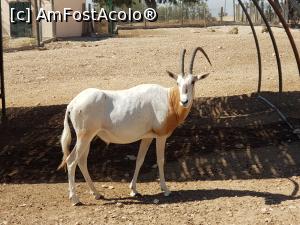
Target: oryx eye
column 193, row 82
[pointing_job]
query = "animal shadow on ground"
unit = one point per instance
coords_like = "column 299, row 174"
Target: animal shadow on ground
column 200, row 195
column 233, row 137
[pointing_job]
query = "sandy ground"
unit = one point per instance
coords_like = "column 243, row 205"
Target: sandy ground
column 252, row 202
column 56, row 75
column 239, row 164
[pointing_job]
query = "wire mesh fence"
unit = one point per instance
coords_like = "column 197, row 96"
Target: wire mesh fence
column 267, row 9
column 181, row 14
column 210, row 12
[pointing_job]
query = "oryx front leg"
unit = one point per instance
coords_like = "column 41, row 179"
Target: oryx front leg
column 160, row 154
column 144, row 146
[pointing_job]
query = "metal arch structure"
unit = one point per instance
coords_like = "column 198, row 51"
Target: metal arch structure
column 256, row 44
column 261, row 12
column 293, row 45
column 288, row 32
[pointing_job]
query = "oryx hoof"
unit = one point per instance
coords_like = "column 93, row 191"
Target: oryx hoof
column 135, row 194
column 75, row 200
column 167, row 193
column 78, row 204
column 98, row 196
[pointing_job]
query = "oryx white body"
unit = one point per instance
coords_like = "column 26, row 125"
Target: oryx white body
column 141, row 113
column 121, row 117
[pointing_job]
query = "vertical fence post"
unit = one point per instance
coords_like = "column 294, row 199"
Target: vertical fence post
column 145, row 24
column 199, row 14
column 110, row 26
column 165, row 14
column 248, row 11
column 256, row 16
column 40, row 24
column 263, row 10
column 234, row 13
column 92, row 21
column 238, row 14
column 287, row 11
column 53, row 23
column 221, row 14
column 204, row 12
column 243, row 16
column 181, row 12
column 37, row 23
column 3, row 117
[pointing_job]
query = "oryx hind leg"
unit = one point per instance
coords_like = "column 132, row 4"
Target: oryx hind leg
column 82, row 145
column 82, row 163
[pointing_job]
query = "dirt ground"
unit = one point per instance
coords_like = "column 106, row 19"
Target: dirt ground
column 207, row 202
column 232, row 162
column 55, row 75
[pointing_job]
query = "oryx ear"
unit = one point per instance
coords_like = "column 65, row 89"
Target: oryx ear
column 201, row 77
column 172, row 75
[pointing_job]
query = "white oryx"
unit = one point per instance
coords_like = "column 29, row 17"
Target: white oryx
column 141, row 113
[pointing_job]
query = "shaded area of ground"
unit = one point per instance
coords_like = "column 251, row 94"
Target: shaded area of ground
column 233, row 137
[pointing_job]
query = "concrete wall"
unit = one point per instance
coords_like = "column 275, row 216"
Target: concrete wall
column 70, row 28
column 62, row 29
column 5, row 17
column 47, row 27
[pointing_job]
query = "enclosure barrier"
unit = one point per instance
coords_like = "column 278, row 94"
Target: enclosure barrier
column 294, row 47
column 261, row 12
column 288, row 32
column 256, row 44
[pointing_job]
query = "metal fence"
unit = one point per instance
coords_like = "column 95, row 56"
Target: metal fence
column 176, row 15
column 271, row 16
column 211, row 12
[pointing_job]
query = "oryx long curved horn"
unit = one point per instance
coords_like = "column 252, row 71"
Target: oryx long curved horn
column 194, row 55
column 182, row 61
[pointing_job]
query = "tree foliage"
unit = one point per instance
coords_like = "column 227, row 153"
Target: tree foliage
column 149, row 3
column 181, row 1
column 118, row 3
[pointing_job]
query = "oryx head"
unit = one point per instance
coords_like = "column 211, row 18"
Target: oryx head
column 186, row 82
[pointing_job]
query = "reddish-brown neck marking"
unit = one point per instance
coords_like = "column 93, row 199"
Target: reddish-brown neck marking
column 176, row 113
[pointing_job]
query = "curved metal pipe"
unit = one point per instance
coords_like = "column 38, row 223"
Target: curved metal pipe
column 256, row 44
column 288, row 32
column 273, row 42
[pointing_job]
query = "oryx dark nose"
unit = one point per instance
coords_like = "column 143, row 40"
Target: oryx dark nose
column 184, row 102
